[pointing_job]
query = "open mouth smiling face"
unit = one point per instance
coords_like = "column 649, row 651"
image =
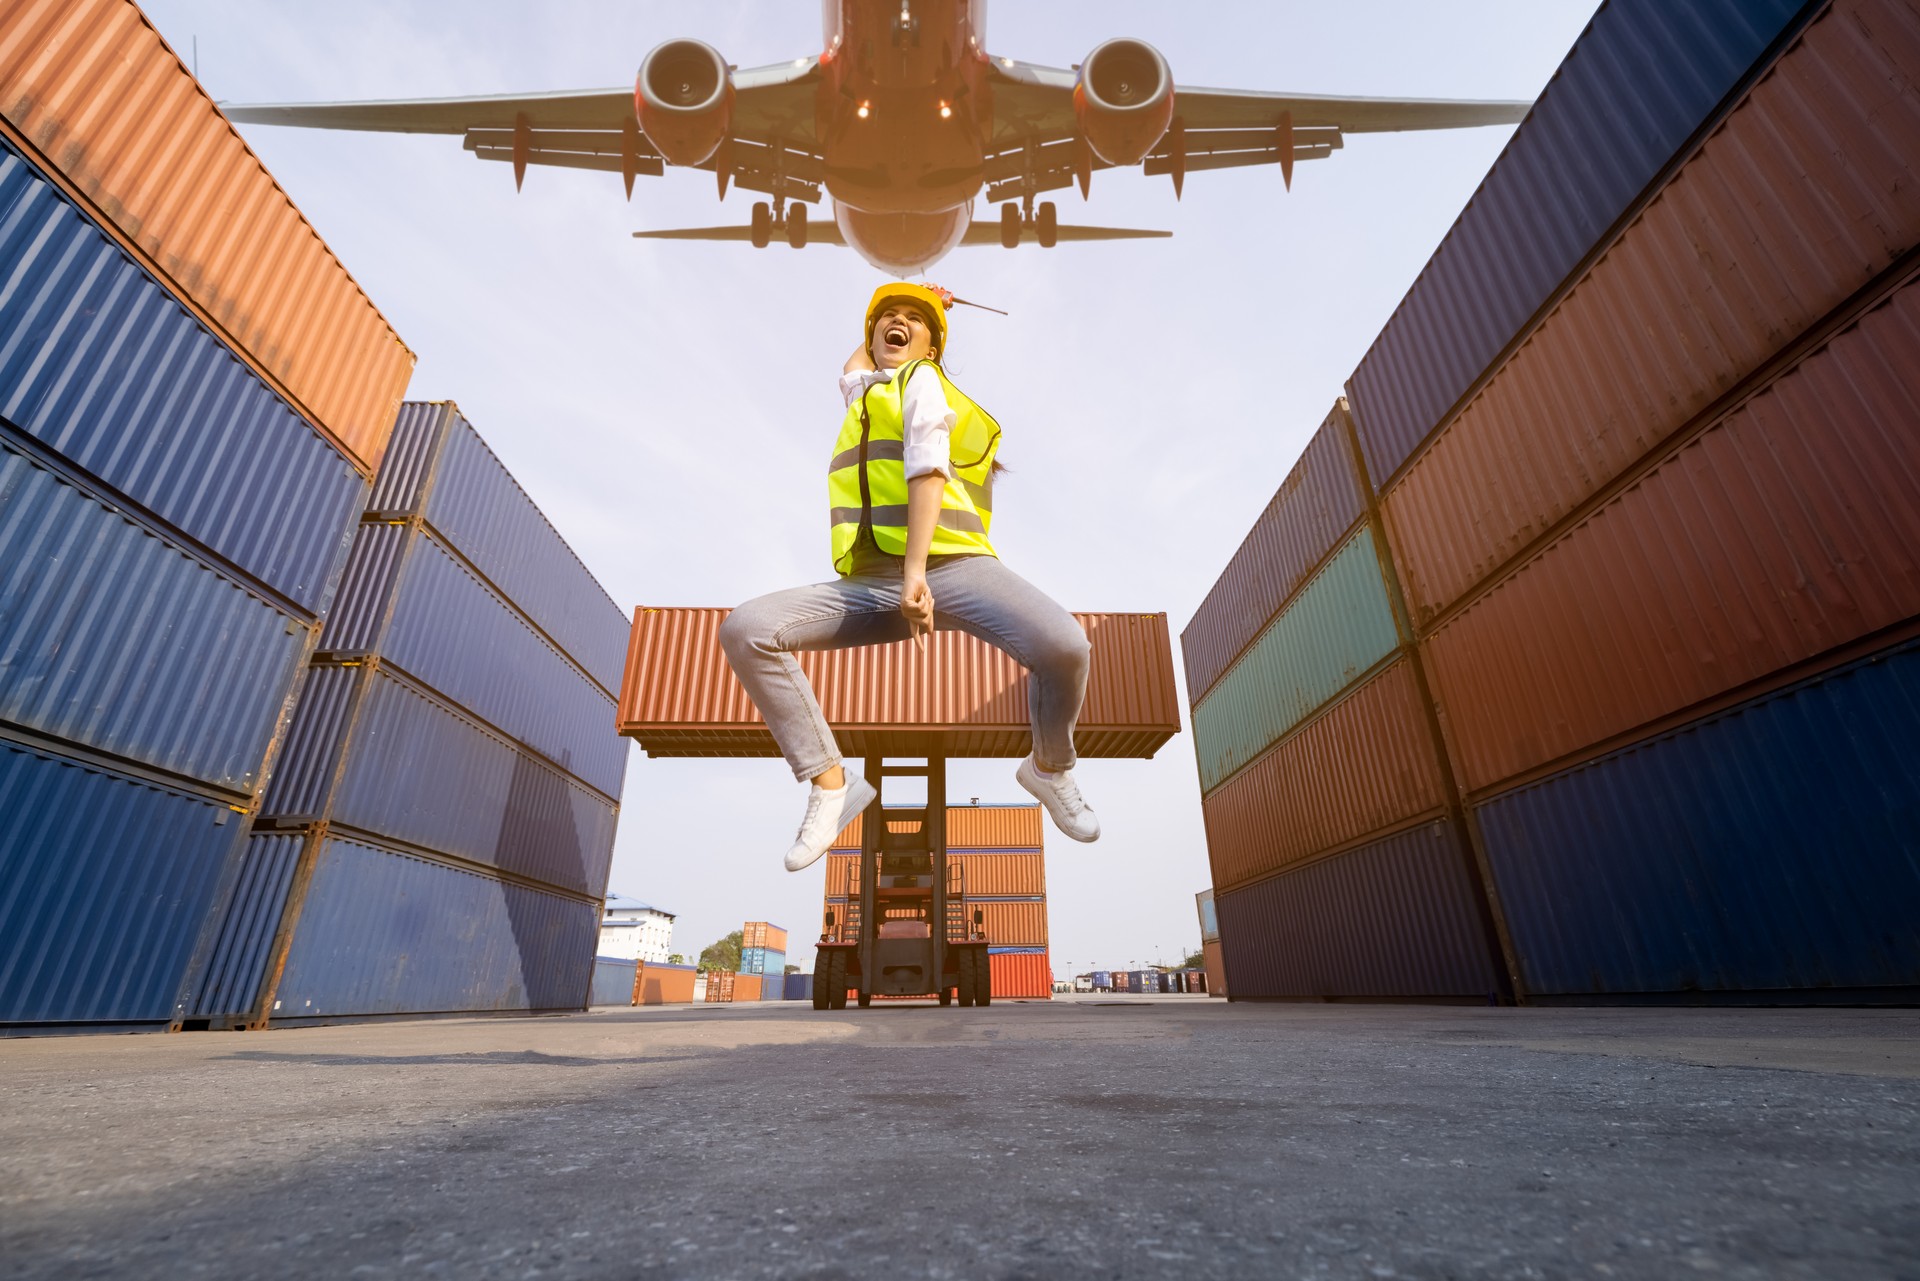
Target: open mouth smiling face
column 901, row 334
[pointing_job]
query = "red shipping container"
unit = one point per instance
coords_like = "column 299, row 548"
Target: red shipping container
column 1021, row 975
column 1314, row 509
column 961, row 698
column 1216, row 967
column 1805, row 193
column 1786, row 530
column 1365, row 764
column 91, row 89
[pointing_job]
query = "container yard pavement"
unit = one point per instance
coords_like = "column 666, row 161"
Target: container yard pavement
column 1089, row 1137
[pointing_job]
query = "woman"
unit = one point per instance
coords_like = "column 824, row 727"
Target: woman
column 911, row 491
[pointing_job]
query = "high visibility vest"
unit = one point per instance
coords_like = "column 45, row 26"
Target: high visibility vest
column 867, row 479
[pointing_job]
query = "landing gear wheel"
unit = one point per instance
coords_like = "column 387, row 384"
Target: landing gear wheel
column 866, row 999
column 760, row 225
column 797, row 226
column 1046, row 225
column 1009, row 226
column 837, row 979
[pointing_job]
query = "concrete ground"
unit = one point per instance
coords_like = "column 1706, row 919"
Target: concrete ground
column 1104, row 1137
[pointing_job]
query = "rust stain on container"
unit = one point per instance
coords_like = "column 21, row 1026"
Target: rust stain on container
column 962, row 698
column 92, row 89
column 1361, row 767
column 1787, row 529
column 1804, row 194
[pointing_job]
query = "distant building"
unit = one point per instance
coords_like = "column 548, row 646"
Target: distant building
column 632, row 930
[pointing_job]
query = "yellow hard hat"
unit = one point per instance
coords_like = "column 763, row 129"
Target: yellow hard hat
column 932, row 298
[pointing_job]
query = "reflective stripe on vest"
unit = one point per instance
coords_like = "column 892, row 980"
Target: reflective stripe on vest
column 867, row 479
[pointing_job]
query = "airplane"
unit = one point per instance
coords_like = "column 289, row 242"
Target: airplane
column 903, row 120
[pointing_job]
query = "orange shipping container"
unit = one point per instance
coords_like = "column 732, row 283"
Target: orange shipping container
column 1216, row 968
column 1804, row 194
column 663, row 984
column 962, row 698
column 1013, row 924
column 746, row 987
column 91, row 90
column 1365, row 764
column 1001, row 827
column 1021, row 975
column 761, row 934
column 1010, row 875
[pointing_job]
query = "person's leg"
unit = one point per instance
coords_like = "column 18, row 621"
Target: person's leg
column 980, row 595
column 761, row 637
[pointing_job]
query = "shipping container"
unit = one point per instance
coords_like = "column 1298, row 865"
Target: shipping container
column 746, row 987
column 1316, row 506
column 247, row 927
column 977, row 827
column 762, row 960
column 1015, row 923
column 718, row 987
column 1213, row 955
column 1020, row 975
column 613, row 981
column 1787, row 529
column 1749, row 245
column 101, row 365
column 961, row 698
column 117, row 639
column 799, row 987
column 993, row 874
column 1360, row 766
column 1337, row 628
column 1397, row 918
column 91, row 92
column 1209, row 917
column 764, row 935
column 1102, row 980
column 106, row 882
column 1767, row 848
column 381, row 931
column 1644, row 79
column 658, row 984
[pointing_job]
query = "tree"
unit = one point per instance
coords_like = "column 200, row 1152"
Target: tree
column 1195, row 961
column 723, row 954
column 674, row 958
column 793, row 969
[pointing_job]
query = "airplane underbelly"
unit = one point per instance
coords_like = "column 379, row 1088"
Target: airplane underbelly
column 902, row 244
column 922, row 171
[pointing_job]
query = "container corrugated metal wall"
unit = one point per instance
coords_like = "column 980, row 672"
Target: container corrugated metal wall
column 99, row 363
column 1769, row 847
column 613, row 981
column 1359, row 767
column 1315, row 506
column 799, row 987
column 1787, row 529
column 1339, row 625
column 1020, row 975
column 1394, row 918
column 1010, row 827
column 456, row 636
column 419, row 433
column 1641, row 81
column 92, row 89
column 665, row 984
column 114, row 640
column 1019, row 923
column 763, row 934
column 963, row 697
column 479, row 509
column 252, row 915
column 1750, row 244
column 78, row 837
column 383, row 932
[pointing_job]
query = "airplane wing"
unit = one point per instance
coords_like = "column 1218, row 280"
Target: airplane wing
column 772, row 146
column 1035, row 130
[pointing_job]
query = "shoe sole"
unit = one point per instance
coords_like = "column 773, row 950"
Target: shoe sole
column 1020, row 777
column 865, row 800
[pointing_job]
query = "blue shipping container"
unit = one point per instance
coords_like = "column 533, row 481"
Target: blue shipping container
column 115, row 640
column 761, row 960
column 1640, row 81
column 613, row 981
column 1772, row 847
column 101, row 365
column 382, row 932
column 1397, row 917
column 231, row 985
column 106, row 883
column 799, row 987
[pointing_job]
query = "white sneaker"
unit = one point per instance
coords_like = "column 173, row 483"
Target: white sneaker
column 1061, row 795
column 827, row 813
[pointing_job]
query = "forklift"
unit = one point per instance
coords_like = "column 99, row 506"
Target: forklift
column 905, row 928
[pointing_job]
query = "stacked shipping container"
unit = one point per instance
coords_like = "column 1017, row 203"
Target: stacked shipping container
column 998, row 850
column 187, row 422
column 438, row 833
column 763, row 951
column 1652, row 511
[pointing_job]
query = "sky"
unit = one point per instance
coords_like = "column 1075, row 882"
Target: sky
column 668, row 404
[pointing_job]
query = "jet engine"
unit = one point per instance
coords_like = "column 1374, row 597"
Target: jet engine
column 1123, row 100
column 902, row 244
column 684, row 100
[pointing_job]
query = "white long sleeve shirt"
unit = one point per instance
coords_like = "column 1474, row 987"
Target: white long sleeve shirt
column 928, row 418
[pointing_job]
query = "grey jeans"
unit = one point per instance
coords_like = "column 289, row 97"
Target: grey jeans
column 974, row 594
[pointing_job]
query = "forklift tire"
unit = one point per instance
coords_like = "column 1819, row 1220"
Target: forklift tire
column 822, row 979
column 866, row 999
column 965, row 959
column 946, row 996
column 837, row 979
column 982, row 978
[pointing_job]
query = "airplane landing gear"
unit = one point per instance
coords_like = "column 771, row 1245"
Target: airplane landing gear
column 760, row 225
column 1044, row 220
column 766, row 218
column 1009, row 226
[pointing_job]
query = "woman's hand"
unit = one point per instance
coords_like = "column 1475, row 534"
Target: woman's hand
column 916, row 604
column 860, row 362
